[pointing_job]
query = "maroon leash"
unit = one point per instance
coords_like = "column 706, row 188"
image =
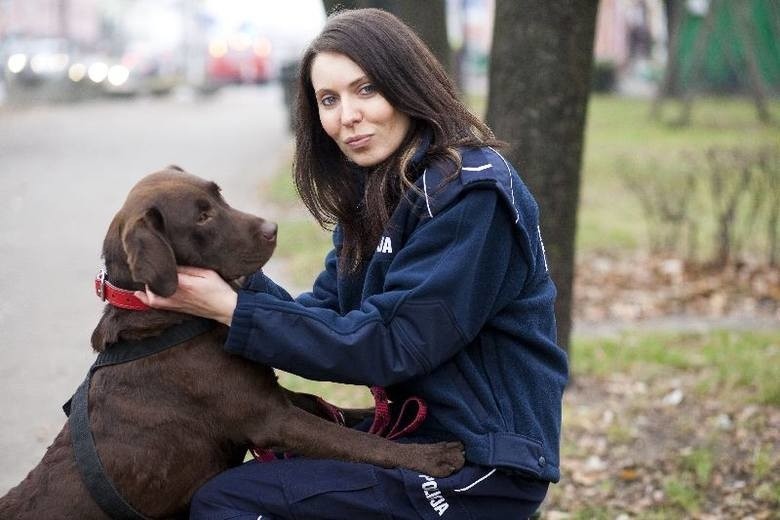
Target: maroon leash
column 411, row 415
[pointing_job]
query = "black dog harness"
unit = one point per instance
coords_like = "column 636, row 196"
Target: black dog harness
column 92, row 471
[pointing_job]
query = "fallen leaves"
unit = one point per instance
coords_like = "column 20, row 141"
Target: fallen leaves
column 654, row 440
column 662, row 449
column 634, row 288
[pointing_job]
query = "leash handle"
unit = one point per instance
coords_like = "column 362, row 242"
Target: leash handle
column 411, row 415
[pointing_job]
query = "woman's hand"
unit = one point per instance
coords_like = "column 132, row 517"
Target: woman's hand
column 201, row 292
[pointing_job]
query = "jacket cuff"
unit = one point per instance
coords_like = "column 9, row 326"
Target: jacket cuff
column 241, row 325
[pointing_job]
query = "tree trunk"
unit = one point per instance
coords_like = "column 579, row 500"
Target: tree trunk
column 428, row 19
column 670, row 85
column 540, row 74
column 746, row 36
column 688, row 85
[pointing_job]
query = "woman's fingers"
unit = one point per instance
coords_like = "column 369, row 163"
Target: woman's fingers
column 155, row 301
column 201, row 292
column 142, row 296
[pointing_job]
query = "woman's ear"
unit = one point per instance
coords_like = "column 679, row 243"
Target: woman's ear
column 149, row 254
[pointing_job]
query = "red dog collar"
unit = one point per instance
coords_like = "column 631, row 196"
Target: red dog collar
column 122, row 298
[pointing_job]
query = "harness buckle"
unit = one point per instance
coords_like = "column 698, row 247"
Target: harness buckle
column 100, row 284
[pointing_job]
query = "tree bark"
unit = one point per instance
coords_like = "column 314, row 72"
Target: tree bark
column 540, row 74
column 689, row 84
column 428, row 19
column 746, row 35
column 670, row 85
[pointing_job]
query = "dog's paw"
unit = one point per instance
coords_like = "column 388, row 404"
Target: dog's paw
column 441, row 459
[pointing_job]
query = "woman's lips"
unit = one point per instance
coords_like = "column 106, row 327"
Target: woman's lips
column 358, row 141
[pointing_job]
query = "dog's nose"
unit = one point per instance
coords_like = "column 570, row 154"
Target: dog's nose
column 269, row 230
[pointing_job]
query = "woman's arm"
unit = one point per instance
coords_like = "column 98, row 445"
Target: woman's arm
column 440, row 290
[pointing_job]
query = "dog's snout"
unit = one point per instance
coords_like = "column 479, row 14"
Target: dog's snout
column 269, row 230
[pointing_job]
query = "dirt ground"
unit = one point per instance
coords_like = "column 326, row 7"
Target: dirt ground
column 657, row 449
column 658, row 442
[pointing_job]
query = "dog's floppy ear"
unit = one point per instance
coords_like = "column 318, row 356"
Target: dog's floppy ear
column 149, row 254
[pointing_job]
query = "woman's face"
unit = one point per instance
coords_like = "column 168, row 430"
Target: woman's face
column 353, row 113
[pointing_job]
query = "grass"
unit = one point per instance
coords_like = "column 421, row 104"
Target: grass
column 619, row 135
column 682, row 494
column 302, row 243
column 748, row 362
column 345, row 396
column 762, row 461
column 700, row 463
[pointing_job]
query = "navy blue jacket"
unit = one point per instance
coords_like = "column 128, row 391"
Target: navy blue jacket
column 455, row 306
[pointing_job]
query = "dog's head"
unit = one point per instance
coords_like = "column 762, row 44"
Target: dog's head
column 171, row 217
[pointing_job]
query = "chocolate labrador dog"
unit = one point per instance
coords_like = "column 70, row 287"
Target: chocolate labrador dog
column 164, row 424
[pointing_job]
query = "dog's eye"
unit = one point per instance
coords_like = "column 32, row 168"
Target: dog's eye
column 204, row 217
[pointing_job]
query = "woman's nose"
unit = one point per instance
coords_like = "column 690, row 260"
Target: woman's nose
column 350, row 113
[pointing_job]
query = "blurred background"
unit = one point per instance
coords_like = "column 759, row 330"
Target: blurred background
column 674, row 408
column 70, row 50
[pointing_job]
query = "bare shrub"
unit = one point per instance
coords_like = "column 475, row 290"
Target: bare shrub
column 732, row 195
column 766, row 200
column 729, row 175
column 666, row 204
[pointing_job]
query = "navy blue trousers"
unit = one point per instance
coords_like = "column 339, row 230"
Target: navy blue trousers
column 313, row 489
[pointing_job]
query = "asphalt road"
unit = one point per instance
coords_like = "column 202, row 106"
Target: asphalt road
column 64, row 171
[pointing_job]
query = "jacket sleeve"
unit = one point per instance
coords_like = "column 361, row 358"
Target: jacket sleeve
column 324, row 294
column 440, row 289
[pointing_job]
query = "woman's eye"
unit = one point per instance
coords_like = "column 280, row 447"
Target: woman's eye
column 368, row 88
column 327, row 101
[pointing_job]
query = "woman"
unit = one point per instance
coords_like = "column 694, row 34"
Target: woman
column 437, row 286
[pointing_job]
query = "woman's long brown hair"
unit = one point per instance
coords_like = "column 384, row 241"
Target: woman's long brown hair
column 405, row 72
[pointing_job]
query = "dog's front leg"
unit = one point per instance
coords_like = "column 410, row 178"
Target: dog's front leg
column 300, row 432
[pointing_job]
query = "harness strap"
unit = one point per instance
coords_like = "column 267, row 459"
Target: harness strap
column 115, row 355
column 100, row 487
column 126, row 351
column 92, row 471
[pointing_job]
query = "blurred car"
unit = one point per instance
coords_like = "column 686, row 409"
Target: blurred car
column 141, row 69
column 239, row 58
column 36, row 60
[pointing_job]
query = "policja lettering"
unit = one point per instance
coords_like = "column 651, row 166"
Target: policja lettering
column 385, row 245
column 434, row 496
